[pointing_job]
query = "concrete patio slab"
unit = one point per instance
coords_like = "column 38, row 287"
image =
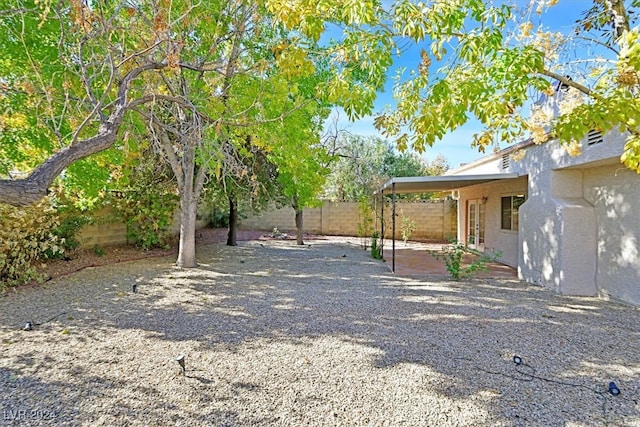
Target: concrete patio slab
column 414, row 259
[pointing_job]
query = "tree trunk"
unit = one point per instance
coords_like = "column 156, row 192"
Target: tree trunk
column 299, row 227
column 187, row 246
column 190, row 184
column 233, row 222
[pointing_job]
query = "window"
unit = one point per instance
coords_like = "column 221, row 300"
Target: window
column 510, row 205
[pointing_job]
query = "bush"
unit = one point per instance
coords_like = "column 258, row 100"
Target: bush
column 67, row 232
column 365, row 220
column 218, row 219
column 376, row 249
column 146, row 201
column 452, row 255
column 26, row 235
column 407, row 228
column 149, row 217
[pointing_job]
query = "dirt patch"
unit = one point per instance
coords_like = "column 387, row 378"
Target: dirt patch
column 85, row 258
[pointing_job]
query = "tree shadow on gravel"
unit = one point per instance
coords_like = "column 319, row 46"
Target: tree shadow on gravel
column 462, row 334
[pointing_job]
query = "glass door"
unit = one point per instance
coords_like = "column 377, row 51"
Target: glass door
column 475, row 224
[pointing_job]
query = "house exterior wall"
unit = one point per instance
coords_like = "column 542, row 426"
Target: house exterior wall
column 558, row 234
column 614, row 192
column 505, row 241
column 579, row 230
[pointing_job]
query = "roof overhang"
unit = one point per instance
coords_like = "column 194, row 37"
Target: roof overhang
column 425, row 184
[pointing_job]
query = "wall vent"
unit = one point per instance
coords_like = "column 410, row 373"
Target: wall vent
column 594, row 137
column 505, row 161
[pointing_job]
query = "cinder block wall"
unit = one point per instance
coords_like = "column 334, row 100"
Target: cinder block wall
column 107, row 233
column 435, row 221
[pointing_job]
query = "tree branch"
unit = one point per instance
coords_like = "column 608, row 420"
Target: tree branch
column 22, row 192
column 568, row 82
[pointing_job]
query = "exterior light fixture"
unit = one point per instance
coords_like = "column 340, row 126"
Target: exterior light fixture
column 180, row 360
column 613, row 389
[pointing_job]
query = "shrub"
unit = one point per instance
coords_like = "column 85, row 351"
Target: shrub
column 407, row 227
column 365, row 220
column 67, row 231
column 376, row 249
column 452, row 255
column 146, row 201
column 26, row 235
column 148, row 215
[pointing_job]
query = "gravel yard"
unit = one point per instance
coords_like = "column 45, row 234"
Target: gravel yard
column 320, row 335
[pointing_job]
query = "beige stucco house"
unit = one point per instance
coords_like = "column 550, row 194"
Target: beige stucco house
column 568, row 223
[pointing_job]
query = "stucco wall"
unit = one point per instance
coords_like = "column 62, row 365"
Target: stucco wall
column 615, row 194
column 557, row 234
column 558, row 228
column 496, row 239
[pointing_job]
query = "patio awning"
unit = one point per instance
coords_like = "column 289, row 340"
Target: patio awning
column 424, row 184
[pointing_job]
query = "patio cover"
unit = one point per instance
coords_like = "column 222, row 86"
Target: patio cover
column 424, row 184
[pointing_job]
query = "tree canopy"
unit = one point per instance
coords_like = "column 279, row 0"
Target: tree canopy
column 365, row 163
column 73, row 72
column 489, row 59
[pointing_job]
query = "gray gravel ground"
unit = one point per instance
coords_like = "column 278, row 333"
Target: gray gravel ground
column 320, row 335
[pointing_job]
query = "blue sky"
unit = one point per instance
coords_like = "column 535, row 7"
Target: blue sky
column 455, row 146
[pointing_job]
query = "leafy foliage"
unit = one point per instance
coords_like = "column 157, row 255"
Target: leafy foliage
column 67, row 231
column 43, row 99
column 26, row 236
column 365, row 163
column 486, row 60
column 365, row 220
column 407, row 226
column 376, row 245
column 149, row 217
column 146, row 202
column 453, row 258
column 502, row 55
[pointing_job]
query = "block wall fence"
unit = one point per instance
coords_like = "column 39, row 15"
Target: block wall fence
column 108, row 233
column 435, row 221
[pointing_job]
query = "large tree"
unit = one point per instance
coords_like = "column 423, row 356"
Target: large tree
column 365, row 162
column 487, row 59
column 195, row 74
